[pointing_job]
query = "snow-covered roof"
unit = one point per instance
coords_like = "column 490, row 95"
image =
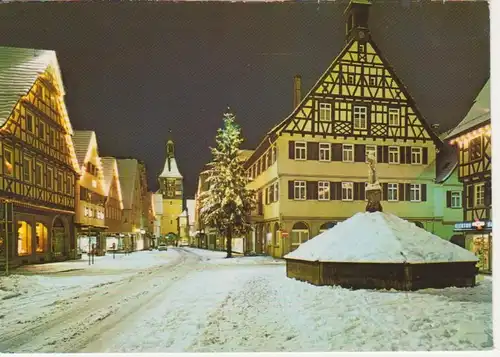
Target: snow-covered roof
column 109, row 170
column 379, row 237
column 82, row 140
column 478, row 113
column 19, row 70
column 127, row 171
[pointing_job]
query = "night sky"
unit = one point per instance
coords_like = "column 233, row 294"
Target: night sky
column 134, row 70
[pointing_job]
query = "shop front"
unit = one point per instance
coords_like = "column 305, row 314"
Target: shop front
column 478, row 236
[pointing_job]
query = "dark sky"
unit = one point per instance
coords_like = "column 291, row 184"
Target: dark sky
column 134, row 70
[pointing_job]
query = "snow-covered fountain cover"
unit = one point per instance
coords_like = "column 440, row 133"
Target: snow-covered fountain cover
column 379, row 237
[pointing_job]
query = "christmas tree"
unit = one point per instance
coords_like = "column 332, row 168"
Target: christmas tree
column 226, row 205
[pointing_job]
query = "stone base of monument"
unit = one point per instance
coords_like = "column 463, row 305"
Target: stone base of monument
column 399, row 276
column 374, row 196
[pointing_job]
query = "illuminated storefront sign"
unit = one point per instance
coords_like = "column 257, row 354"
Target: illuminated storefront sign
column 473, row 226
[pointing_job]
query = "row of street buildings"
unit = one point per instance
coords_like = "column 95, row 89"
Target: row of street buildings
column 58, row 196
column 309, row 171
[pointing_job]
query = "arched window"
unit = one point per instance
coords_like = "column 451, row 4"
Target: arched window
column 300, row 234
column 24, row 236
column 41, row 237
column 326, row 226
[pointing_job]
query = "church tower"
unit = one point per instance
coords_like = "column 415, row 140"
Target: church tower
column 171, row 190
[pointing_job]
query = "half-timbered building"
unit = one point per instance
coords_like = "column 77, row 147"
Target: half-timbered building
column 472, row 138
column 90, row 193
column 38, row 166
column 310, row 170
column 113, row 207
column 130, row 183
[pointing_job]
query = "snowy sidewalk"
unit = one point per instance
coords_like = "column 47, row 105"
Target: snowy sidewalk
column 134, row 261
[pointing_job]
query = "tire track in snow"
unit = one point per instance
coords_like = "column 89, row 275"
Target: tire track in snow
column 50, row 331
column 251, row 319
column 175, row 317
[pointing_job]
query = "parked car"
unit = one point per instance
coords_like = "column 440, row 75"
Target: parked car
column 162, row 247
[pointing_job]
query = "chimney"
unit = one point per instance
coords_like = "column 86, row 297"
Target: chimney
column 435, row 127
column 297, row 94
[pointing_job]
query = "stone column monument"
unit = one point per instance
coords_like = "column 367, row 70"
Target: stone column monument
column 373, row 189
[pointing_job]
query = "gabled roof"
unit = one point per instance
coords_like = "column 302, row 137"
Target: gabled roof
column 109, row 170
column 84, row 141
column 19, row 70
column 446, row 162
column 81, row 141
column 127, row 171
column 478, row 114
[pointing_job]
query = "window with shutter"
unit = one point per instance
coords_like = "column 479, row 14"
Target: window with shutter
column 392, row 192
column 347, row 191
column 415, row 192
column 455, row 199
column 299, row 190
column 347, row 153
column 324, row 152
column 393, row 155
column 371, row 150
column 323, row 190
column 448, row 198
column 416, row 156
column 290, row 190
column 300, row 151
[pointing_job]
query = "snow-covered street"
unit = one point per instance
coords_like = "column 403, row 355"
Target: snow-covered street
column 194, row 300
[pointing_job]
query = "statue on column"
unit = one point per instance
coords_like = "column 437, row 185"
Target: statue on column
column 373, row 189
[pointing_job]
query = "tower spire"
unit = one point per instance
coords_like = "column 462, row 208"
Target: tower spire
column 170, row 149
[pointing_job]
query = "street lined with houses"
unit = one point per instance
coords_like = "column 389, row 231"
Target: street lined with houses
column 354, row 223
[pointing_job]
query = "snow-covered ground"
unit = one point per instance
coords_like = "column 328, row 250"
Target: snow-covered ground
column 33, row 292
column 247, row 304
column 105, row 264
column 219, row 258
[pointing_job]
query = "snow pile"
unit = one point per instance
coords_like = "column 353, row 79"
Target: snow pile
column 379, row 238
